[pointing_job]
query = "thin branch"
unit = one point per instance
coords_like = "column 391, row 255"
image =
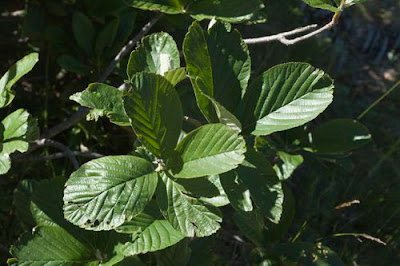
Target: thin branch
column 58, row 145
column 279, row 36
column 128, row 47
column 284, row 36
column 60, row 155
column 192, row 121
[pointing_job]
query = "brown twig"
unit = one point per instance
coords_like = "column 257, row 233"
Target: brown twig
column 128, row 47
column 192, row 121
column 284, row 36
column 58, row 145
column 60, row 155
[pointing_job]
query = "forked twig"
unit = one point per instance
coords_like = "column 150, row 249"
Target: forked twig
column 284, row 37
column 58, row 145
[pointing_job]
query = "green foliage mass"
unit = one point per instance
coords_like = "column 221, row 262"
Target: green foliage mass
column 201, row 142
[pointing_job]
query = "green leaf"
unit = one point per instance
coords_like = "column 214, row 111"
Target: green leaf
column 165, row 6
column 249, row 19
column 210, row 150
column 158, row 235
column 174, row 76
column 207, row 189
column 47, row 203
column 15, row 125
column 284, row 97
column 251, row 224
column 222, row 9
column 84, row 32
column 258, row 176
column 308, row 254
column 106, row 37
column 73, row 64
column 141, row 221
column 224, row 116
column 178, row 254
column 339, row 136
column 5, row 163
column 69, row 241
column 155, row 113
column 238, row 194
column 136, row 225
column 186, row 214
column 18, row 128
column 127, row 23
column 22, row 199
column 52, row 246
column 275, row 232
column 16, row 72
column 157, row 53
column 103, row 100
column 218, row 63
column 104, row 193
column 219, row 200
column 287, row 165
column 198, row 187
column 323, row 4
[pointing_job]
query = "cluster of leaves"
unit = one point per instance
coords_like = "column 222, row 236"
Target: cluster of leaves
column 171, row 190
column 157, row 198
column 18, row 128
column 233, row 11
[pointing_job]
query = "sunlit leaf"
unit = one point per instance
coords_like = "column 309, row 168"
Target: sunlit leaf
column 174, row 76
column 284, row 97
column 104, row 193
column 16, row 71
column 103, row 100
column 5, row 163
column 287, row 165
column 210, row 150
column 156, row 236
column 157, row 53
column 186, row 214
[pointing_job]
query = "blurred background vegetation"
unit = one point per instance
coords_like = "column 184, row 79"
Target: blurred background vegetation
column 362, row 54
